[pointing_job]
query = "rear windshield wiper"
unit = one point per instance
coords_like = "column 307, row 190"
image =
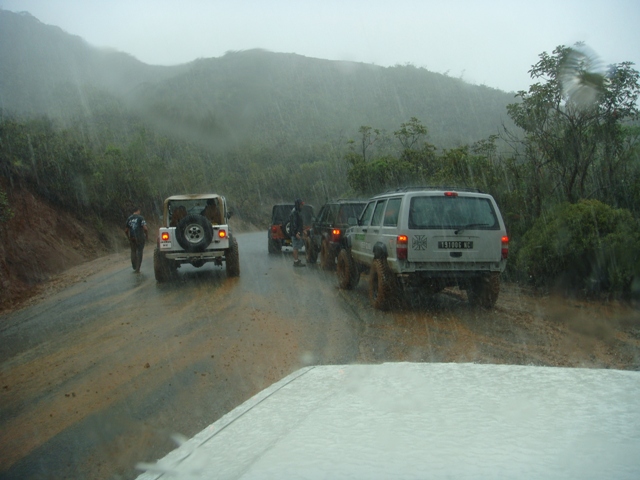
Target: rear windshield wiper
column 471, row 225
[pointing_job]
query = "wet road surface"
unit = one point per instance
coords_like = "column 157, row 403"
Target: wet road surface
column 102, row 374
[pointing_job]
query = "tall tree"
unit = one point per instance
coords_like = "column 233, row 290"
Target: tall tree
column 576, row 120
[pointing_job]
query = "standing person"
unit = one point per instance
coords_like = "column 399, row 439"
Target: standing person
column 137, row 232
column 296, row 232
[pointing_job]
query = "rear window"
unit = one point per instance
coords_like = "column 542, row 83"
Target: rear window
column 351, row 210
column 452, row 212
column 281, row 213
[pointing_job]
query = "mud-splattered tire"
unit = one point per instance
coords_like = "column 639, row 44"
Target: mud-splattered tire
column 327, row 260
column 233, row 259
column 310, row 250
column 383, row 289
column 484, row 291
column 161, row 267
column 347, row 270
column 274, row 247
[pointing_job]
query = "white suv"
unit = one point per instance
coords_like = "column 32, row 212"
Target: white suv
column 428, row 238
column 195, row 230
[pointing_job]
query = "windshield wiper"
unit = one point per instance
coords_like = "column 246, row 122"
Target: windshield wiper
column 471, row 225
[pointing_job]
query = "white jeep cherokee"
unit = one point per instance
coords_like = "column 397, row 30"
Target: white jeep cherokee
column 428, row 238
column 195, row 230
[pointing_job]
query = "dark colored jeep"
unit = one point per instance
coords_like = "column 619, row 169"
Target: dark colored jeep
column 328, row 229
column 279, row 233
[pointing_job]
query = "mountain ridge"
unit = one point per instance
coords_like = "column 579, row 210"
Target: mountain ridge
column 240, row 95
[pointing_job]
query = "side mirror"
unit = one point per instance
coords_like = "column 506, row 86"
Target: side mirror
column 352, row 221
column 229, row 213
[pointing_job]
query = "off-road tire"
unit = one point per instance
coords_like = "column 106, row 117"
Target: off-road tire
column 194, row 233
column 161, row 267
column 383, row 288
column 484, row 291
column 327, row 260
column 274, row 246
column 310, row 250
column 347, row 270
column 233, row 259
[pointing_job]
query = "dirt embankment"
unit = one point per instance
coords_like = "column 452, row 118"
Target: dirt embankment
column 40, row 242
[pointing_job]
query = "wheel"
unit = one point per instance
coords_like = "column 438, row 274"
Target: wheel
column 347, row 270
column 274, row 246
column 484, row 291
column 382, row 285
column 161, row 267
column 194, row 233
column 310, row 250
column 233, row 259
column 327, row 259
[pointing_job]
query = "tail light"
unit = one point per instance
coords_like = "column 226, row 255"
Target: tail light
column 222, row 233
column 450, row 194
column 274, row 229
column 164, row 236
column 402, row 243
column 505, row 247
column 335, row 235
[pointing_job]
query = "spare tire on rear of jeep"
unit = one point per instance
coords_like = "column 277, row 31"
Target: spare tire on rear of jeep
column 194, row 233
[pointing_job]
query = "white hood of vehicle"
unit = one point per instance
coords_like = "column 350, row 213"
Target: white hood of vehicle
column 409, row 420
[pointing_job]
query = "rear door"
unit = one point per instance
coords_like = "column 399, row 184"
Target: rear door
column 453, row 229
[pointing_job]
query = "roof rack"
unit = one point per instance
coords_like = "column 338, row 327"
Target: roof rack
column 433, row 187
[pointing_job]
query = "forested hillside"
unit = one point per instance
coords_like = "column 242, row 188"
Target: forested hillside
column 95, row 132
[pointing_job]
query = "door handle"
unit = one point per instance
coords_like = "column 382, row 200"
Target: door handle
column 364, row 230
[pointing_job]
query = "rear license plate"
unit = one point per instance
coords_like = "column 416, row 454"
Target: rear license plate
column 456, row 245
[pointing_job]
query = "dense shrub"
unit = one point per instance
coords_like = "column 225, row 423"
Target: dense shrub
column 587, row 246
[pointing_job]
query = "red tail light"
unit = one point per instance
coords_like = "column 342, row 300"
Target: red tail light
column 222, row 233
column 335, row 235
column 505, row 247
column 450, row 194
column 164, row 236
column 274, row 228
column 401, row 247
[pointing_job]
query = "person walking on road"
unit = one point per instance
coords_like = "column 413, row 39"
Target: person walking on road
column 137, row 232
column 296, row 232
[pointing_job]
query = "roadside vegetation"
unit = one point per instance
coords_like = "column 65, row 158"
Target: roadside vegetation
column 565, row 171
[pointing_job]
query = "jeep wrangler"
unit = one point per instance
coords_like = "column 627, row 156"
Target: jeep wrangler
column 195, row 230
column 426, row 238
column 279, row 232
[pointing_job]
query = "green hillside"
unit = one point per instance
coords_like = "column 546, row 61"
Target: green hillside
column 243, row 95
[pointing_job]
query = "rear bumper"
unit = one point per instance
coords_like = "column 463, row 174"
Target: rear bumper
column 190, row 256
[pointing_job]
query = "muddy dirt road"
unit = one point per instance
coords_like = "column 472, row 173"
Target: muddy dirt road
column 101, row 371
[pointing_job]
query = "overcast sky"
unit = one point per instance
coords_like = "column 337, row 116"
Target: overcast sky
column 485, row 42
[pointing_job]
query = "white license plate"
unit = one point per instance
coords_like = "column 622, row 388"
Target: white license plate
column 456, row 245
column 165, row 245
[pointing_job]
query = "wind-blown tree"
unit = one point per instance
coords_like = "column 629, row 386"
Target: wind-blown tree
column 580, row 141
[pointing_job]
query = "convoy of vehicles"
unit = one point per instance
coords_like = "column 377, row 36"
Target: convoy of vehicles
column 408, row 239
column 195, row 230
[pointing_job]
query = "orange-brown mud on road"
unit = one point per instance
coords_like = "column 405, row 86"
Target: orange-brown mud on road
column 248, row 340
column 523, row 328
